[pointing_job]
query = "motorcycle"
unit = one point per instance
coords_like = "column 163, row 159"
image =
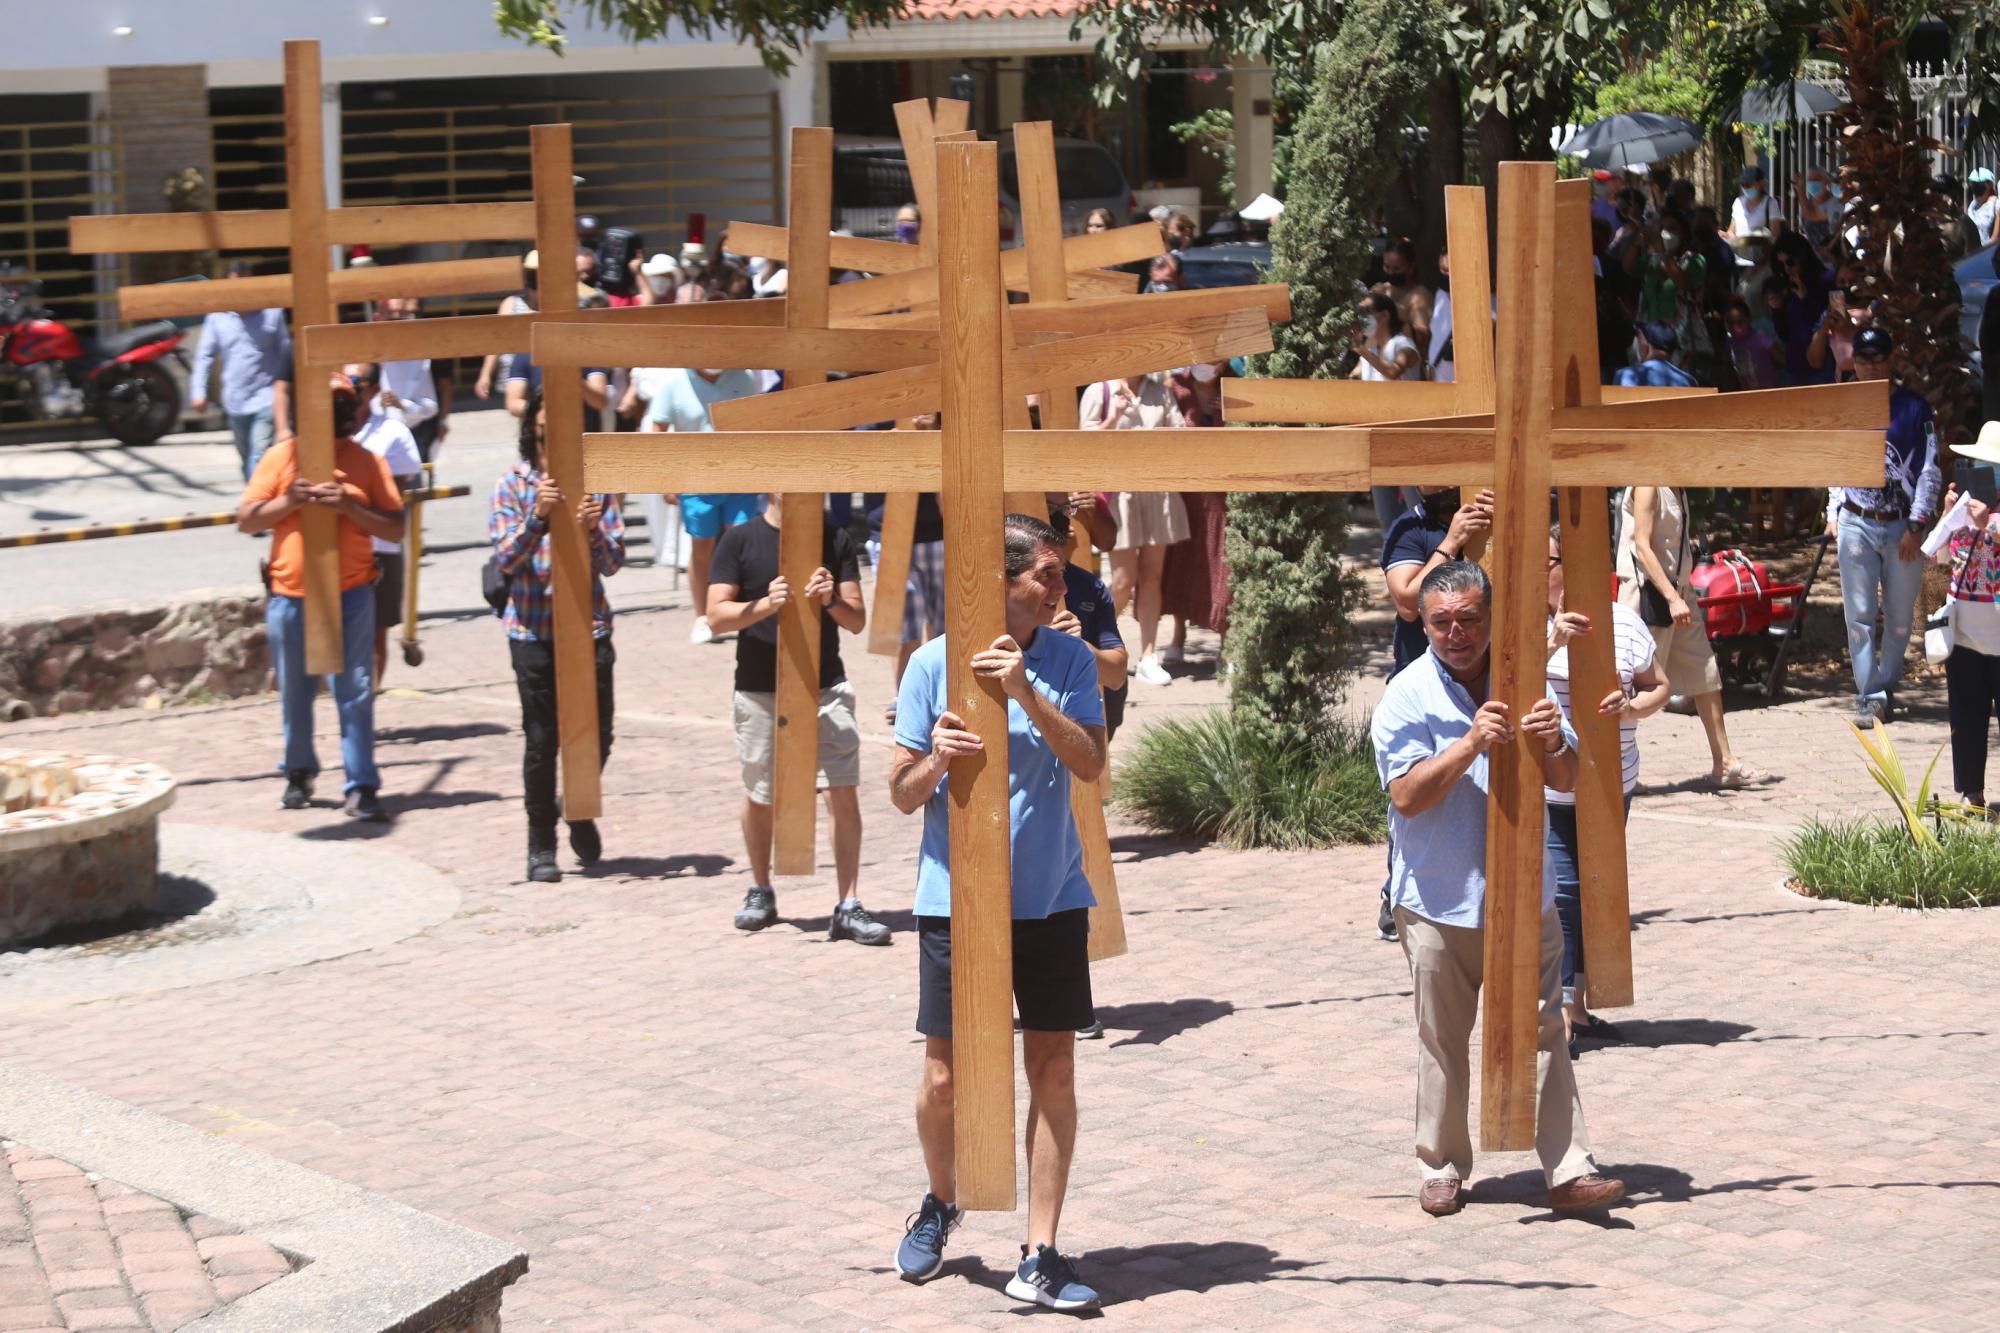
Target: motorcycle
column 58, row 376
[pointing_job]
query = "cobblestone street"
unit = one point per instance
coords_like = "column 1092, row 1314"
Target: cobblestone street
column 692, row 1128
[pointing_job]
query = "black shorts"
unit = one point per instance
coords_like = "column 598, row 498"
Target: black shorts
column 1051, row 973
column 389, row 590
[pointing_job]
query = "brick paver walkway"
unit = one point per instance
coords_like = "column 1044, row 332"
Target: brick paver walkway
column 80, row 1252
column 692, row 1128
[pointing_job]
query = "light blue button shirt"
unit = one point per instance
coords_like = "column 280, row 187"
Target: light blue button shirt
column 1048, row 855
column 1437, row 861
column 255, row 348
column 683, row 397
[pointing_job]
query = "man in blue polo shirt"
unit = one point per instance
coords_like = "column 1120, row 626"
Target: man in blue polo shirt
column 1055, row 730
column 1433, row 733
column 681, row 401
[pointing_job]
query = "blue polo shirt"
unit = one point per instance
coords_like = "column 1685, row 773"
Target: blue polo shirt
column 1437, row 860
column 1412, row 537
column 1085, row 594
column 1047, row 854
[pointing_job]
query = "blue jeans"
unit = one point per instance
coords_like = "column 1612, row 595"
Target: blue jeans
column 353, row 688
column 254, row 432
column 1874, row 578
column 1560, row 848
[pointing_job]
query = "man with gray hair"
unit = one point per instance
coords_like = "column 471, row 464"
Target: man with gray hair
column 1434, row 732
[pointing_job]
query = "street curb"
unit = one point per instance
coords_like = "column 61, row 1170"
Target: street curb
column 367, row 1264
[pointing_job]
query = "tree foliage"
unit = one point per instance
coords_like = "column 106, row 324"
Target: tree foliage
column 779, row 29
column 1290, row 632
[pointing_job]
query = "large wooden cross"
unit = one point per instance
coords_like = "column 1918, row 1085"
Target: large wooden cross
column 902, row 349
column 313, row 291
column 1558, row 426
column 553, row 217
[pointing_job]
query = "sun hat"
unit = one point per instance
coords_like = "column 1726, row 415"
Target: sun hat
column 659, row 264
column 1986, row 449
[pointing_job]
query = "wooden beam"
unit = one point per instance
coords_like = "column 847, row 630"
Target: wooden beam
column 1523, row 374
column 801, row 350
column 268, row 229
column 1861, row 405
column 1049, row 284
column 892, row 572
column 1108, row 314
column 802, row 532
column 1036, row 460
column 1472, row 324
column 312, row 303
column 553, row 164
column 478, row 335
column 760, row 240
column 1073, row 362
column 1716, row 457
column 1337, row 402
column 912, row 287
column 1584, row 513
column 451, row 277
column 982, row 982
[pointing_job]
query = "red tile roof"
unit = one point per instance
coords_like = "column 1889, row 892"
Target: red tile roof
column 926, row 10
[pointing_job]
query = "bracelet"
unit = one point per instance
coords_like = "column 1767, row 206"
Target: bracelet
column 1559, row 751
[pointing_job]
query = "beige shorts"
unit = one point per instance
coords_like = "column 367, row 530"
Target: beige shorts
column 1683, row 652
column 1150, row 518
column 839, row 740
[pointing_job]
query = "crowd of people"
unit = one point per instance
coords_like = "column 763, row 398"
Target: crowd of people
column 1689, row 302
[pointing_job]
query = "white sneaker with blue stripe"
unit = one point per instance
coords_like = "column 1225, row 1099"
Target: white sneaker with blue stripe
column 1048, row 1278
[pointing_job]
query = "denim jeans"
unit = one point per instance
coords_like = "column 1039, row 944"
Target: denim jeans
column 1875, row 578
column 353, row 688
column 1561, row 850
column 254, row 432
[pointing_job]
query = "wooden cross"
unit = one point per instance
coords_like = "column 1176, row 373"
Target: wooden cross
column 1555, row 408
column 312, row 291
column 904, row 351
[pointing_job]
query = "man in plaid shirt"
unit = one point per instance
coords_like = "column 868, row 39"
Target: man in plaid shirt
column 526, row 501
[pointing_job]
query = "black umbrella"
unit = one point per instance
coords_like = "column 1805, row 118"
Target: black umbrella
column 1631, row 139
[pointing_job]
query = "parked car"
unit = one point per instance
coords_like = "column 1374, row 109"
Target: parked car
column 871, row 181
column 1232, row 264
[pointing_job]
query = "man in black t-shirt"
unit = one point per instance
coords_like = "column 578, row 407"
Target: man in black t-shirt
column 745, row 593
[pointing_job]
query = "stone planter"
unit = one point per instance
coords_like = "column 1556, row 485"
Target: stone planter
column 79, row 838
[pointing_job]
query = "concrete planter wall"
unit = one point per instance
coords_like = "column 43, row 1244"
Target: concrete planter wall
column 205, row 647
column 79, row 838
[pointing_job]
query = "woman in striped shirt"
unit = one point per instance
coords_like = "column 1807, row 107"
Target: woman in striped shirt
column 1642, row 691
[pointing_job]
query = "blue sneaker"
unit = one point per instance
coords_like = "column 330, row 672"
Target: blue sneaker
column 921, row 1254
column 1050, row 1279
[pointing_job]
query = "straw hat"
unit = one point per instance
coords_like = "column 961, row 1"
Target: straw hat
column 1986, row 449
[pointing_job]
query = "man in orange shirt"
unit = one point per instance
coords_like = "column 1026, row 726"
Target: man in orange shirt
column 365, row 498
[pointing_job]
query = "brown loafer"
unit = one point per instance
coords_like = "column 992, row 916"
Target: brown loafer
column 1586, row 1192
column 1439, row 1196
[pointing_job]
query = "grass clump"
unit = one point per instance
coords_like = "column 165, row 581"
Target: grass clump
column 1879, row 863
column 1212, row 778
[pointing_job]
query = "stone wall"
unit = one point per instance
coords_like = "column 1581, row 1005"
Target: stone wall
column 198, row 649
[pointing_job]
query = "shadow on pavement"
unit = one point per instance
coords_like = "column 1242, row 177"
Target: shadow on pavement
column 177, row 898
column 1656, row 1032
column 443, row 731
column 699, row 865
column 1132, row 847
column 901, row 921
column 1151, row 1022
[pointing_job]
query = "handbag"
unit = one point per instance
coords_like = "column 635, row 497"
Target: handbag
column 1938, row 636
column 493, row 585
column 1653, row 607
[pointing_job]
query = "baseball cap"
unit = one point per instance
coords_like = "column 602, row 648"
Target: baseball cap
column 1980, row 175
column 659, row 264
column 1873, row 343
column 1750, row 175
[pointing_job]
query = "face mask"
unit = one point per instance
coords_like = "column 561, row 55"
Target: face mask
column 1835, row 191
column 1161, row 287
column 760, row 267
column 1374, row 325
column 1815, row 190
column 1203, row 372
column 348, row 414
column 1444, row 282
column 1752, row 192
column 906, row 232
column 1441, row 507
column 1670, row 241
column 659, row 282
column 1398, row 279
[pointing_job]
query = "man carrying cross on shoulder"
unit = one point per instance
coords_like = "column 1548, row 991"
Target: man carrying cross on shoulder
column 1434, row 731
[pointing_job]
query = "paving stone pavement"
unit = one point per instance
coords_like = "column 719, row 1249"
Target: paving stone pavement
column 692, row 1128
column 78, row 1251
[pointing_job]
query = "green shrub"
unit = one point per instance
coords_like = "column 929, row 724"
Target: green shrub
column 1213, row 778
column 1872, row 861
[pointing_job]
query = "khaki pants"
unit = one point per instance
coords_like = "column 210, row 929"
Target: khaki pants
column 1446, row 966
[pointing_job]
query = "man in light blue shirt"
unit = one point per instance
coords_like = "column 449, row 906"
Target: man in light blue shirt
column 1434, row 732
column 680, row 402
column 1055, row 730
column 254, row 348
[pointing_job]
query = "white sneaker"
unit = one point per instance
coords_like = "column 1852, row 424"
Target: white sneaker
column 1151, row 672
column 699, row 632
column 1171, row 656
